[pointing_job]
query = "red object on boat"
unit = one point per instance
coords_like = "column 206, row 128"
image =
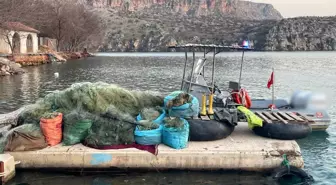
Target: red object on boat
column 242, row 97
column 272, row 106
column 270, row 81
column 319, row 115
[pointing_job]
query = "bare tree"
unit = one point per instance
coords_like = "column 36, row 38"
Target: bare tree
column 70, row 22
column 8, row 39
column 21, row 10
column 84, row 26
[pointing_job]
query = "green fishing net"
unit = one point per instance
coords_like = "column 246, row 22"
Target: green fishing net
column 111, row 128
column 111, row 109
column 147, row 125
column 23, row 138
column 173, row 123
column 151, row 113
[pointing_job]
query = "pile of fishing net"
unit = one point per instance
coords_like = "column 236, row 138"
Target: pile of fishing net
column 23, row 138
column 96, row 114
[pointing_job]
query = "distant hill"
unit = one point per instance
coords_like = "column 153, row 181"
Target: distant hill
column 152, row 25
column 303, row 34
column 228, row 8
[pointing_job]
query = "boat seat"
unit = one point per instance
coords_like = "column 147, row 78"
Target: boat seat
column 264, row 104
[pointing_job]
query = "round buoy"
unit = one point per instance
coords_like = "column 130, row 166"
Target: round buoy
column 291, row 174
column 282, row 131
column 203, row 130
column 56, row 75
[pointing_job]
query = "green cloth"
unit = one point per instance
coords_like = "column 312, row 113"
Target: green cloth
column 252, row 119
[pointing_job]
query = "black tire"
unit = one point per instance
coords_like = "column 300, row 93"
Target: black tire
column 293, row 171
column 201, row 130
column 290, row 131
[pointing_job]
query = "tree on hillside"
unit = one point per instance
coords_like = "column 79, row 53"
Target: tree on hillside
column 70, row 22
column 82, row 26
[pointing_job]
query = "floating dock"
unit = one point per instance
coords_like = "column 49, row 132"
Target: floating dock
column 242, row 150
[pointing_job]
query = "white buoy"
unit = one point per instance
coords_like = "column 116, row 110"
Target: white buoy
column 56, row 75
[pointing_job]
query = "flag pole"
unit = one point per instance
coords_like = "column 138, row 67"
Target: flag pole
column 273, row 88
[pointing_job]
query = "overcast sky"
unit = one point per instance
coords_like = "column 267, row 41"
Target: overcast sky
column 294, row 8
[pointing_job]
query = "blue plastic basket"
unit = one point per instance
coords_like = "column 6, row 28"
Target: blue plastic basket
column 185, row 110
column 176, row 138
column 150, row 137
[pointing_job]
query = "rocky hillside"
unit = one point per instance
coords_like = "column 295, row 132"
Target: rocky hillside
column 303, row 34
column 231, row 8
column 152, row 25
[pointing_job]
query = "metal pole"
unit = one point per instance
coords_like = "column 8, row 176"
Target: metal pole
column 241, row 69
column 204, row 58
column 273, row 86
column 192, row 70
column 185, row 65
column 213, row 71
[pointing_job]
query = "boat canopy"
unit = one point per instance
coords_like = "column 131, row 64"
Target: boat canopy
column 211, row 46
column 195, row 81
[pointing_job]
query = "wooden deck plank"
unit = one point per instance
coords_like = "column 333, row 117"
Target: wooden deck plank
column 267, row 114
column 286, row 116
column 306, row 117
column 263, row 117
column 275, row 114
column 297, row 118
column 205, row 118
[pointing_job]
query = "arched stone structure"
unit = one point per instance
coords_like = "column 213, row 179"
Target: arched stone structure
column 29, row 43
column 22, row 37
column 16, row 43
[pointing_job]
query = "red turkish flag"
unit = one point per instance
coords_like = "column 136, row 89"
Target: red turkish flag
column 270, row 81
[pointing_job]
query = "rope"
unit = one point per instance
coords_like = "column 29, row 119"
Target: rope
column 285, row 162
column 243, row 97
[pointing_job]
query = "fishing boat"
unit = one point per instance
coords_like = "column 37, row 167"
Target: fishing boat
column 303, row 107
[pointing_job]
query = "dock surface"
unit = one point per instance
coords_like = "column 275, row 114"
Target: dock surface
column 242, row 150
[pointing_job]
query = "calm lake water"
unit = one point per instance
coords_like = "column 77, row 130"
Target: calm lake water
column 313, row 71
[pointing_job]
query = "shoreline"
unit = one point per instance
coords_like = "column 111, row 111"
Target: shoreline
column 44, row 57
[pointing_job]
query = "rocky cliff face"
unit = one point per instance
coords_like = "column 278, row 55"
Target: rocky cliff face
column 303, row 34
column 152, row 25
column 232, row 8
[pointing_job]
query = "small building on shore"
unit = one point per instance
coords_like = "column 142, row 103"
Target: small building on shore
column 18, row 38
column 46, row 40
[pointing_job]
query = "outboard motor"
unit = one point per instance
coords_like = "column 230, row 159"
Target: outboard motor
column 308, row 100
column 314, row 106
